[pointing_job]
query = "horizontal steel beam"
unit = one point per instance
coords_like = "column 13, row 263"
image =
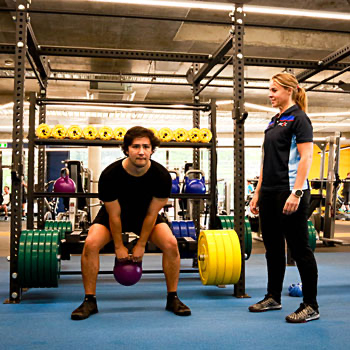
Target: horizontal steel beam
column 325, row 63
column 170, row 56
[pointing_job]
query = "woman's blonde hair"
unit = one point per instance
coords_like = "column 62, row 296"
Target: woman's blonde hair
column 288, row 80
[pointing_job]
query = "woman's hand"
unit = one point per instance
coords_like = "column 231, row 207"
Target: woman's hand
column 291, row 205
column 253, row 205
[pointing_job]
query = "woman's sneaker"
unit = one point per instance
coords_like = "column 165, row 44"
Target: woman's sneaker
column 267, row 304
column 305, row 313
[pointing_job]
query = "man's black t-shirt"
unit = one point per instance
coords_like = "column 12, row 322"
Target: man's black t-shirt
column 133, row 193
column 281, row 156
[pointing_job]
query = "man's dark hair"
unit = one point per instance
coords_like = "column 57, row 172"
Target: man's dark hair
column 136, row 132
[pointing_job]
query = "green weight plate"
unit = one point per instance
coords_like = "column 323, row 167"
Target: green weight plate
column 69, row 227
column 21, row 257
column 55, row 225
column 34, row 260
column 248, row 240
column 47, row 259
column 46, row 224
column 55, row 258
column 28, row 259
column 312, row 235
column 231, row 222
column 223, row 222
column 49, row 225
column 63, row 230
column 41, row 261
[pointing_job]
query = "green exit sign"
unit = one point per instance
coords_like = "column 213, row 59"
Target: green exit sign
column 3, row 145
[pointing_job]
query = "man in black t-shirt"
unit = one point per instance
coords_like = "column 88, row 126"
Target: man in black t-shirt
column 133, row 190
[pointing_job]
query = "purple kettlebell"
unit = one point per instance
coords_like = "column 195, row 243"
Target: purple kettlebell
column 128, row 272
column 64, row 183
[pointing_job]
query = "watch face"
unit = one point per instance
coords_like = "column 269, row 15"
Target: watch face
column 299, row 193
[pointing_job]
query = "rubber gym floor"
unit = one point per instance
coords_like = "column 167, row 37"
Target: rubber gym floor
column 134, row 317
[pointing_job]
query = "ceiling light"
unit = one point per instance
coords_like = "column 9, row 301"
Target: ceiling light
column 249, row 105
column 229, row 7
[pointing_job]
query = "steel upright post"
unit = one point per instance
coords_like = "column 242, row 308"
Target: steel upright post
column 17, row 146
column 239, row 117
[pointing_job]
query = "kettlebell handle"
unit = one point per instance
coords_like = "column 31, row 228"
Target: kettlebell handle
column 64, row 172
column 193, row 171
column 173, row 171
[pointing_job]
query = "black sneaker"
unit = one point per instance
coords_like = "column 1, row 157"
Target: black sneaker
column 267, row 304
column 86, row 309
column 176, row 306
column 305, row 313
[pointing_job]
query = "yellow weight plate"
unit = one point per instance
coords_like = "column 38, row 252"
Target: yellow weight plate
column 205, row 135
column 74, row 132
column 220, row 257
column 105, row 133
column 228, row 258
column 119, row 133
column 236, row 257
column 59, row 131
column 194, row 135
column 90, row 132
column 165, row 134
column 155, row 132
column 181, row 135
column 207, row 257
column 43, row 131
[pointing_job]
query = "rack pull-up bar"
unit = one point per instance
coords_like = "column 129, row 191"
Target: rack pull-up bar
column 127, row 104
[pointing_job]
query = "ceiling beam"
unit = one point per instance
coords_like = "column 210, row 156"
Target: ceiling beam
column 333, row 58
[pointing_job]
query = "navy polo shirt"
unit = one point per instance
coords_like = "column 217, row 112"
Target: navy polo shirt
column 281, row 156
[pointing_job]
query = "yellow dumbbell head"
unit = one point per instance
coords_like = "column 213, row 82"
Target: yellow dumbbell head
column 205, row 135
column 105, row 133
column 74, row 132
column 119, row 133
column 59, row 132
column 43, row 131
column 194, row 135
column 181, row 135
column 90, row 132
column 165, row 134
column 155, row 132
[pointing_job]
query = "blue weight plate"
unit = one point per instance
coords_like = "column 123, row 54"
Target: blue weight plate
column 183, row 229
column 191, row 229
column 175, row 227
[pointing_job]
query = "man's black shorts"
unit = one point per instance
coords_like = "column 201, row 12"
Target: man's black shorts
column 102, row 218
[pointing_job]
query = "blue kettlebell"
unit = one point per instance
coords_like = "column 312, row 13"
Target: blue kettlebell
column 295, row 290
column 195, row 185
column 175, row 186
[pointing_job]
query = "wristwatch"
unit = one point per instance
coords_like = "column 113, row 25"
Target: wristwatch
column 298, row 193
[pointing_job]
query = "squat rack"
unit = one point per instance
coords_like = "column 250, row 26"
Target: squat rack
column 27, row 47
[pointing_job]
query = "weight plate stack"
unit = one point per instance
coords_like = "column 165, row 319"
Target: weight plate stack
column 227, row 223
column 219, row 257
column 312, row 235
column 39, row 258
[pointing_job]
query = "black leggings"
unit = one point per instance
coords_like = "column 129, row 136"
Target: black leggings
column 276, row 227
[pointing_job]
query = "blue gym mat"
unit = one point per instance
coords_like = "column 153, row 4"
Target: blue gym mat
column 134, row 317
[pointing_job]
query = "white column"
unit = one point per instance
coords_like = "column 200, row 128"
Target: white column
column 95, row 167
